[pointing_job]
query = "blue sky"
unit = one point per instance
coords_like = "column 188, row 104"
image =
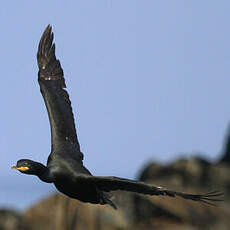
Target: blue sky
column 148, row 80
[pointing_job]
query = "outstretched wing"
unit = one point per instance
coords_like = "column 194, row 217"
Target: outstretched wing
column 52, row 84
column 114, row 183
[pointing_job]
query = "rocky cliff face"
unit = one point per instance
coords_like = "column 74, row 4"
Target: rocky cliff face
column 194, row 175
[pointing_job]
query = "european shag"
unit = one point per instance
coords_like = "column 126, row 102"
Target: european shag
column 65, row 163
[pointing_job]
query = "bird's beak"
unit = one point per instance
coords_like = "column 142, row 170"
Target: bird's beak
column 22, row 168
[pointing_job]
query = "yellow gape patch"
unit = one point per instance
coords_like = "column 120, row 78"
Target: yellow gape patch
column 22, row 168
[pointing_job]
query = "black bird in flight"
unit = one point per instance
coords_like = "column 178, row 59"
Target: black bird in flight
column 64, row 165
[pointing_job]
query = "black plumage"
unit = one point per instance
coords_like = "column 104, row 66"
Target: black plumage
column 64, row 166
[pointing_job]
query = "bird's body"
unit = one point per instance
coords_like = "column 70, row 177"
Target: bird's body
column 65, row 181
column 65, row 163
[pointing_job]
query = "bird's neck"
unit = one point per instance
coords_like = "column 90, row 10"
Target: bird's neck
column 44, row 173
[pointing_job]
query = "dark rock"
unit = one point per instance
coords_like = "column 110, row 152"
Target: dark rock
column 226, row 152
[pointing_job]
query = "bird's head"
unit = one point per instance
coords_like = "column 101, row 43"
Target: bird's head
column 27, row 166
column 34, row 168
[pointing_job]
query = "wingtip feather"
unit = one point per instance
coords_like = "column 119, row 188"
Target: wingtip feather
column 210, row 198
column 45, row 47
column 49, row 67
